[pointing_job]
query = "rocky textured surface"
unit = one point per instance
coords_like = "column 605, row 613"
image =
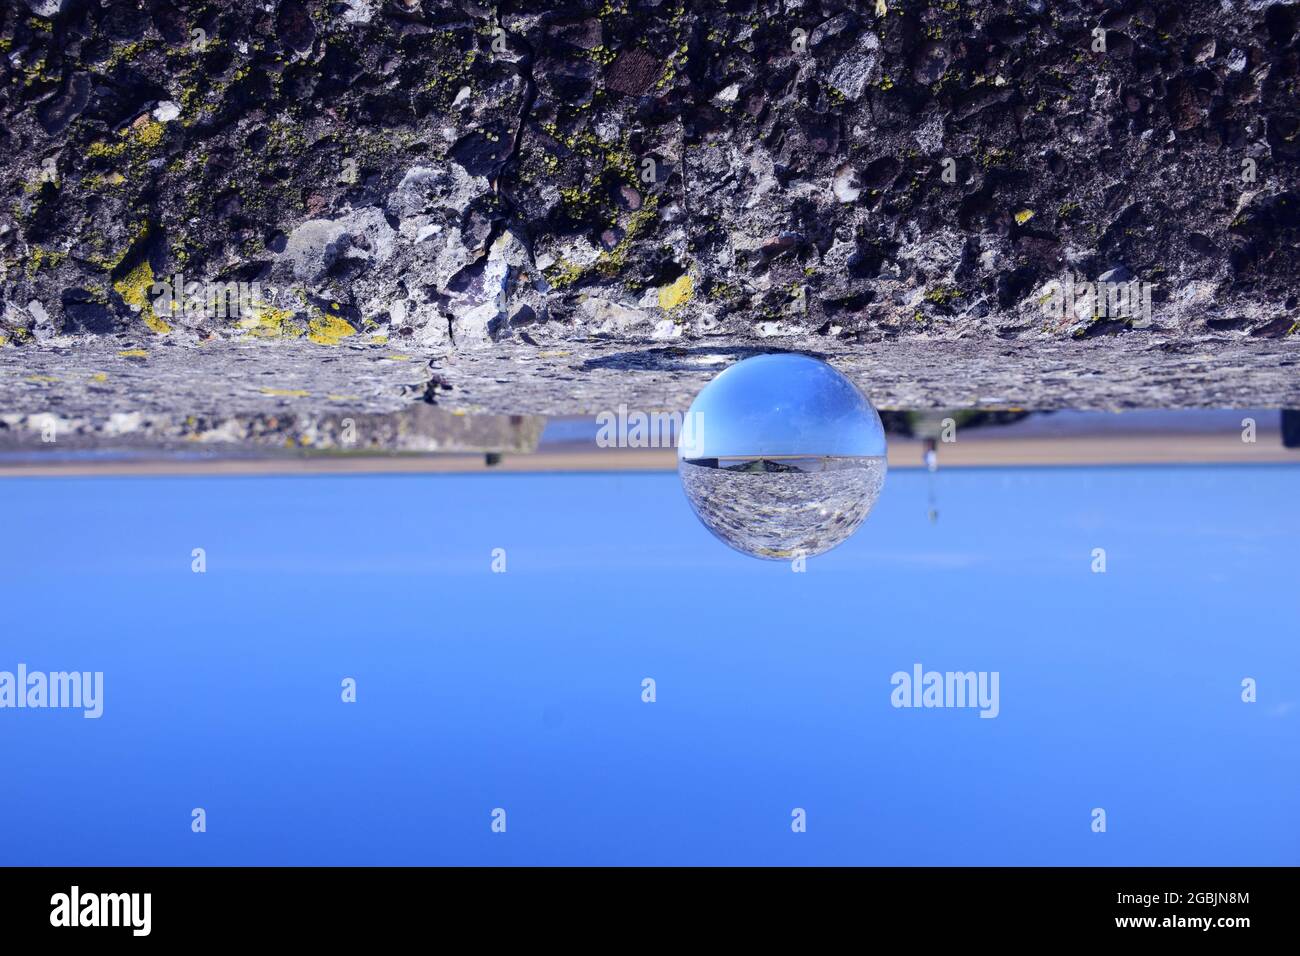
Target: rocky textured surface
column 555, row 210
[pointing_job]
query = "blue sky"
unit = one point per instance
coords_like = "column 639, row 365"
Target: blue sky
column 523, row 690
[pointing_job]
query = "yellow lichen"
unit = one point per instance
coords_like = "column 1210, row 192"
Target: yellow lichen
column 562, row 273
column 286, row 392
column 96, row 182
column 328, row 329
column 267, row 322
column 147, row 132
column 677, row 294
column 44, row 257
column 100, row 149
column 133, row 353
column 1024, row 216
column 943, row 295
column 134, row 288
column 611, row 262
column 144, row 135
column 124, row 52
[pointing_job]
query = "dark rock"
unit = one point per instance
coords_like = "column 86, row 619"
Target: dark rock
column 294, row 27
column 584, row 34
column 56, row 113
column 83, row 313
column 632, row 73
column 931, row 62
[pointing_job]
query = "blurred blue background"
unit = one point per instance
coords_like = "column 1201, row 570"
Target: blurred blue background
column 522, row 690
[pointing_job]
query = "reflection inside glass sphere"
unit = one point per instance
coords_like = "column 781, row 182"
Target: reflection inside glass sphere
column 781, row 456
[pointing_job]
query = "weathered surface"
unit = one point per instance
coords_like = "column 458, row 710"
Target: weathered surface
column 241, row 395
column 276, row 195
column 294, row 396
column 904, row 374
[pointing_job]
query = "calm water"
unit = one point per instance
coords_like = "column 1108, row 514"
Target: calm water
column 523, row 690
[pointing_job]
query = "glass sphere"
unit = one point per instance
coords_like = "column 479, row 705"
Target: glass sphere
column 781, row 456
